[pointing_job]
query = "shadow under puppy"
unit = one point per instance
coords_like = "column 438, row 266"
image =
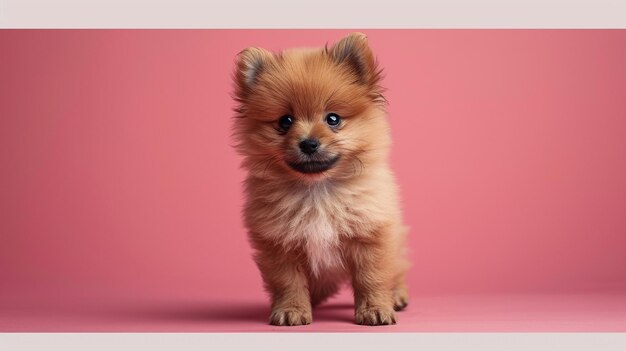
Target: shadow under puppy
column 321, row 201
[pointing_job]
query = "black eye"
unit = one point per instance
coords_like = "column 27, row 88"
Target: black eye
column 333, row 119
column 285, row 122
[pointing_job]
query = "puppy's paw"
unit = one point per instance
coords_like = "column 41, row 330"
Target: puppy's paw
column 400, row 299
column 375, row 316
column 291, row 316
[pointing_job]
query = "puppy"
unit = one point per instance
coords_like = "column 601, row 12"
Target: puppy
column 321, row 201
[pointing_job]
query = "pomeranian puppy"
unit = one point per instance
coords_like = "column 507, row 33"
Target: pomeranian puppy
column 321, row 201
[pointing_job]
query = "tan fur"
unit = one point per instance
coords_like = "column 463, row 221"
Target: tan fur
column 311, row 232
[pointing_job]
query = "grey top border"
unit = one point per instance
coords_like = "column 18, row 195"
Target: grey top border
column 275, row 14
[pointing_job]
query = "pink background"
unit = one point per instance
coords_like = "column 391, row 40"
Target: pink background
column 121, row 194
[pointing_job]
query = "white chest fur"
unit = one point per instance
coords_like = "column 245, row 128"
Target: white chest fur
column 319, row 217
column 321, row 242
column 315, row 223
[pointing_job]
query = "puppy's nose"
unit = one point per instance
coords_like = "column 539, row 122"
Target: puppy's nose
column 309, row 146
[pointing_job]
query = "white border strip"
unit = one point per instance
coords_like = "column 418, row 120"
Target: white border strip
column 314, row 341
column 313, row 14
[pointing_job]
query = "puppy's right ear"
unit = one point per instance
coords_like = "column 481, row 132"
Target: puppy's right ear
column 250, row 63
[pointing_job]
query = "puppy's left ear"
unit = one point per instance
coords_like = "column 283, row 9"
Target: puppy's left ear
column 354, row 52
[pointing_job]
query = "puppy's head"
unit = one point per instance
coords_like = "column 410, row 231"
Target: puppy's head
column 310, row 114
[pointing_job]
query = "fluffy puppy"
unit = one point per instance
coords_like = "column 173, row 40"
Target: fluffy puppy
column 321, row 201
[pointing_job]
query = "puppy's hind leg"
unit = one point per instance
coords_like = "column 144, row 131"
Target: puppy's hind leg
column 400, row 294
column 400, row 289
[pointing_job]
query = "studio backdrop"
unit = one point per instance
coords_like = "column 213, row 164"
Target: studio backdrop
column 121, row 192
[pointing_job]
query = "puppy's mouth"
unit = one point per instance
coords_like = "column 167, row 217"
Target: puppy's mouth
column 312, row 167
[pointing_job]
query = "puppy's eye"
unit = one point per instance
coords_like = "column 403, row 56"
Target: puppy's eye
column 333, row 119
column 285, row 122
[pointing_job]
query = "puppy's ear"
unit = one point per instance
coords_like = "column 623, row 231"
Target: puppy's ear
column 354, row 52
column 250, row 63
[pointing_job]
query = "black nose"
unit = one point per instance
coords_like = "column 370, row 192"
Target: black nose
column 309, row 146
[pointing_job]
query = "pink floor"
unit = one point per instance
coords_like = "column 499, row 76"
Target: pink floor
column 565, row 312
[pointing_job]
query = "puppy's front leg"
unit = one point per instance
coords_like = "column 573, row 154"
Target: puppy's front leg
column 372, row 281
column 287, row 284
